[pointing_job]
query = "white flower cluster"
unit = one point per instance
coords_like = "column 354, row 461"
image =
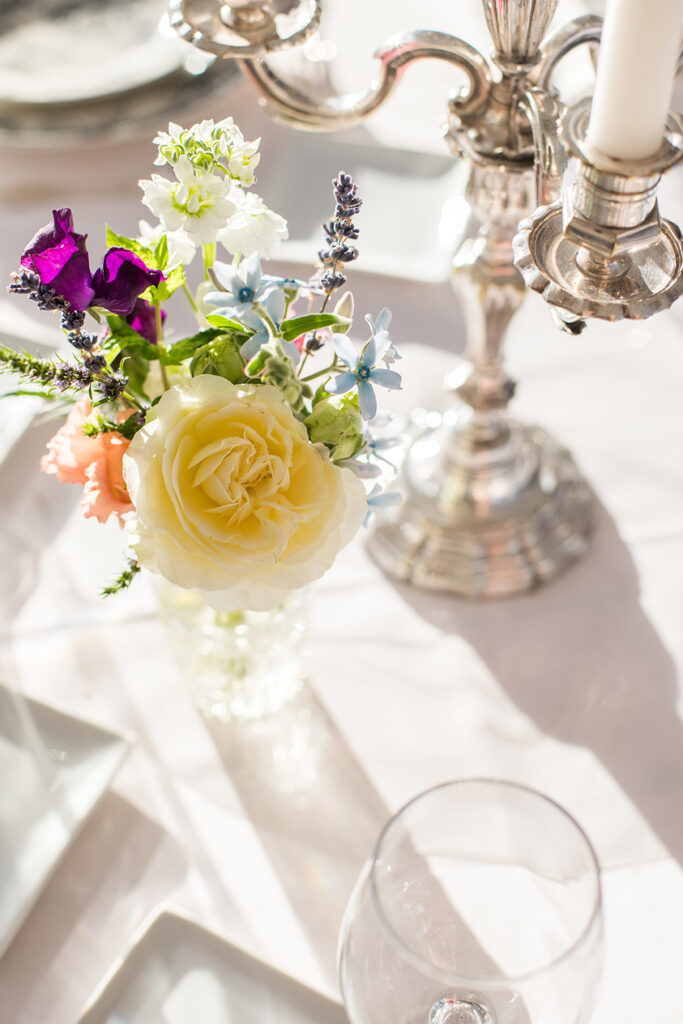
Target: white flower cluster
column 207, row 202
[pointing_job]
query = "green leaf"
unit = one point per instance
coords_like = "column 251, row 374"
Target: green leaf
column 123, row 336
column 135, row 369
column 51, row 396
column 122, row 242
column 175, row 279
column 222, row 321
column 161, row 253
column 186, row 347
column 257, row 364
column 320, row 395
column 291, row 329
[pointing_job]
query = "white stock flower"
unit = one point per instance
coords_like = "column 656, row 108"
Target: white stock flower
column 181, row 248
column 253, row 227
column 232, row 498
column 197, row 203
column 244, row 159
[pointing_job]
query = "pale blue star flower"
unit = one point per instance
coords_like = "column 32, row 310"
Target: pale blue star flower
column 259, row 337
column 381, row 324
column 273, row 305
column 363, row 371
column 378, row 498
column 240, row 288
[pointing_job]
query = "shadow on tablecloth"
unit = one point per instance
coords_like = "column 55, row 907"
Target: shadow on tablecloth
column 582, row 660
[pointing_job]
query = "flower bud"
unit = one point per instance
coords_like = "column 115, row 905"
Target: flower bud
column 220, row 357
column 337, row 423
column 345, row 306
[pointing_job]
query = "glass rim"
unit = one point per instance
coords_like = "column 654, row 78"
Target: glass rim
column 498, row 982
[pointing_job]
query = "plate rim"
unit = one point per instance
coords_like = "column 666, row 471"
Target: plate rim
column 163, row 912
column 125, row 740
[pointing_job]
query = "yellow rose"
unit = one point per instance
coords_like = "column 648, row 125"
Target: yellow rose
column 231, row 497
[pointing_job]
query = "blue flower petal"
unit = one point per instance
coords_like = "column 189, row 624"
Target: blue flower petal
column 253, row 344
column 274, row 305
column 251, row 271
column 386, row 378
column 382, row 343
column 291, row 351
column 369, row 356
column 341, row 383
column 346, row 351
column 226, row 277
column 367, row 400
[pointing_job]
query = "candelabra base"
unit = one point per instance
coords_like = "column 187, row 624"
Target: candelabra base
column 495, row 523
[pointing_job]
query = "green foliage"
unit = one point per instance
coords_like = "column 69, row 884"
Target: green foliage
column 161, row 253
column 136, row 368
column 128, row 428
column 174, row 280
column 222, row 321
column 123, row 580
column 124, row 338
column 122, row 242
column 176, row 354
column 291, row 329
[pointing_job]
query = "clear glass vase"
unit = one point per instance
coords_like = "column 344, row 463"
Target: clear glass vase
column 240, row 664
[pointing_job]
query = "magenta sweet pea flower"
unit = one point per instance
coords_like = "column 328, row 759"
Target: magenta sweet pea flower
column 59, row 257
column 143, row 319
column 120, row 280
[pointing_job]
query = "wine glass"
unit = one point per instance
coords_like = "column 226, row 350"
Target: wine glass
column 479, row 905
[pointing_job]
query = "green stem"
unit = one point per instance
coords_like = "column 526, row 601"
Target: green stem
column 190, row 298
column 209, row 252
column 164, row 375
column 321, row 373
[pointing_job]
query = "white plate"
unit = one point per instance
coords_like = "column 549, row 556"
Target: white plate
column 179, row 972
column 54, row 770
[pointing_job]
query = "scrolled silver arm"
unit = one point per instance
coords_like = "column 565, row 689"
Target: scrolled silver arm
column 586, row 29
column 543, row 110
column 289, row 104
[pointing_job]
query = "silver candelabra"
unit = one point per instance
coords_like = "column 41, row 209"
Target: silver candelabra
column 491, row 506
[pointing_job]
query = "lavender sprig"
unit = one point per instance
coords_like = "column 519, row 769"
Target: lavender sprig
column 62, row 376
column 25, row 282
column 338, row 232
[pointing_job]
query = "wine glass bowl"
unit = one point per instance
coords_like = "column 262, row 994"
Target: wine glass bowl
column 480, row 904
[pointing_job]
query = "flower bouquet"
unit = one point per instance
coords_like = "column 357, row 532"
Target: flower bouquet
column 238, row 457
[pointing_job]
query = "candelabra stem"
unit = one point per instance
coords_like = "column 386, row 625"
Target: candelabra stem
column 491, row 506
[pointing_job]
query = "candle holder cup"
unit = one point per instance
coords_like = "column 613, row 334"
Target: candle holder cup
column 604, row 251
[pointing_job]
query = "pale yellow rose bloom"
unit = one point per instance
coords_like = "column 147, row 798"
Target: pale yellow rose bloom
column 232, row 499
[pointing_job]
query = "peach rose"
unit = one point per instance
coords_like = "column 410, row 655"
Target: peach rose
column 95, row 462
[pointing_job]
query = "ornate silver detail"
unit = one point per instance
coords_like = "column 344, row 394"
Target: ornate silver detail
column 604, row 251
column 244, row 28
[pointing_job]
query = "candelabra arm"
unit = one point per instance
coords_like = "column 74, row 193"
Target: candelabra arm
column 586, row 29
column 289, row 104
column 550, row 163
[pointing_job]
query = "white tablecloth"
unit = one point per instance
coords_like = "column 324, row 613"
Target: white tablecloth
column 260, row 829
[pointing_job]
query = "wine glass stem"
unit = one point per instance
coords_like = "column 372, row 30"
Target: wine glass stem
column 451, row 1010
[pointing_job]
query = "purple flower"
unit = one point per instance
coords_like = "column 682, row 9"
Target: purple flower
column 142, row 319
column 58, row 256
column 120, row 280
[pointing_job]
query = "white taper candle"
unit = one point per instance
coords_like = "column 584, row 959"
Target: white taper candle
column 638, row 54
